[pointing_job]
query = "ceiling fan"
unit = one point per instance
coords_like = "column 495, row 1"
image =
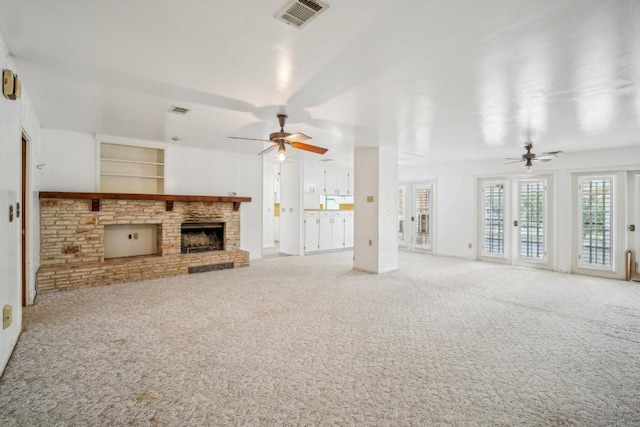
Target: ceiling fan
column 530, row 157
column 282, row 138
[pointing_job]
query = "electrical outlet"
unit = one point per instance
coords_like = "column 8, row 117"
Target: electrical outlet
column 7, row 316
column 470, row 245
column 370, row 242
column 135, row 236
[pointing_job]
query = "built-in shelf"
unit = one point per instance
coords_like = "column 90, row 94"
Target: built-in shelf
column 131, row 168
column 133, row 175
column 137, row 162
column 169, row 199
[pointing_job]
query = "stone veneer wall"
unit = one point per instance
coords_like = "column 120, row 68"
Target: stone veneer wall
column 72, row 241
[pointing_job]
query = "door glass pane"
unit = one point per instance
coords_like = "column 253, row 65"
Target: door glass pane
column 493, row 221
column 532, row 219
column 597, row 215
column 401, row 215
column 422, row 200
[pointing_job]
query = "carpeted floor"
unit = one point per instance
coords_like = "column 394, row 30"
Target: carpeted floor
column 309, row 341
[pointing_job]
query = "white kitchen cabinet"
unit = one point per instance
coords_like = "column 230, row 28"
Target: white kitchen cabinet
column 311, row 231
column 326, row 226
column 348, row 229
column 337, row 230
column 333, row 178
column 314, row 180
column 343, row 184
column 339, row 182
column 313, row 200
column 328, row 230
column 349, row 183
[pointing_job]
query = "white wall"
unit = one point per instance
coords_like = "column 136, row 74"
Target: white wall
column 69, row 161
column 188, row 170
column 457, row 199
column 16, row 117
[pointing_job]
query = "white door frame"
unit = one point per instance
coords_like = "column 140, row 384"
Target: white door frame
column 633, row 220
column 512, row 221
column 505, row 256
column 546, row 261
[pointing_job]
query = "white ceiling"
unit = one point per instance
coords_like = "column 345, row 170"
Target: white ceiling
column 439, row 80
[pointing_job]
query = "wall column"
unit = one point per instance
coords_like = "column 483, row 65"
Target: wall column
column 291, row 207
column 376, row 210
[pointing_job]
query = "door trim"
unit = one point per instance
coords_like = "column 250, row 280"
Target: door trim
column 23, row 220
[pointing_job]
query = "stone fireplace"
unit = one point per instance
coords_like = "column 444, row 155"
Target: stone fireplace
column 72, row 233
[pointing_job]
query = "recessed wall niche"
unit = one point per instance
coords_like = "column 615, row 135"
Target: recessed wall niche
column 123, row 240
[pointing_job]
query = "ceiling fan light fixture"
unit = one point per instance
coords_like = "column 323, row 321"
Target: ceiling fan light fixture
column 282, row 152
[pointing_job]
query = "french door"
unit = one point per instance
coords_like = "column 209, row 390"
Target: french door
column 633, row 228
column 514, row 226
column 416, row 220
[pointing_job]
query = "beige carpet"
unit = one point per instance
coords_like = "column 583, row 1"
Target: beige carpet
column 308, row 341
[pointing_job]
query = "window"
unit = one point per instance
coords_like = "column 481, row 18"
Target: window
column 596, row 234
column 532, row 211
column 493, row 203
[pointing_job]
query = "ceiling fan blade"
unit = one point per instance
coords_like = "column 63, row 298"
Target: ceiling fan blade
column 514, row 161
column 543, row 159
column 249, row 139
column 297, row 137
column 551, row 153
column 268, row 150
column 308, row 147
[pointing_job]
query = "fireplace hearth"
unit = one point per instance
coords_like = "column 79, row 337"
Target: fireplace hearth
column 200, row 237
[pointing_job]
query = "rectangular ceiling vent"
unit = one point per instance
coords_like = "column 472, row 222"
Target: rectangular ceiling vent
column 178, row 110
column 299, row 12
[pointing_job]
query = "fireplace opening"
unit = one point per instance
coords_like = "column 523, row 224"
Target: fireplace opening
column 202, row 237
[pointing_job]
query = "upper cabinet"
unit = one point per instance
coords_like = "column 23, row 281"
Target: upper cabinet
column 339, row 182
column 131, row 169
column 328, row 181
column 314, row 180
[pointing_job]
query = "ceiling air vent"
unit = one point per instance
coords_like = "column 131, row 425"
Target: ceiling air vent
column 178, row 110
column 299, row 12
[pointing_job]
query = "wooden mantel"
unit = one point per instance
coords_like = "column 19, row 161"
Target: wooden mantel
column 167, row 198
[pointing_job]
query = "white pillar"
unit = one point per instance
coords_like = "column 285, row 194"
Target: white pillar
column 376, row 210
column 291, row 208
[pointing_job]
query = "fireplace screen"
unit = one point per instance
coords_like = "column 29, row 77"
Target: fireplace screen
column 202, row 237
